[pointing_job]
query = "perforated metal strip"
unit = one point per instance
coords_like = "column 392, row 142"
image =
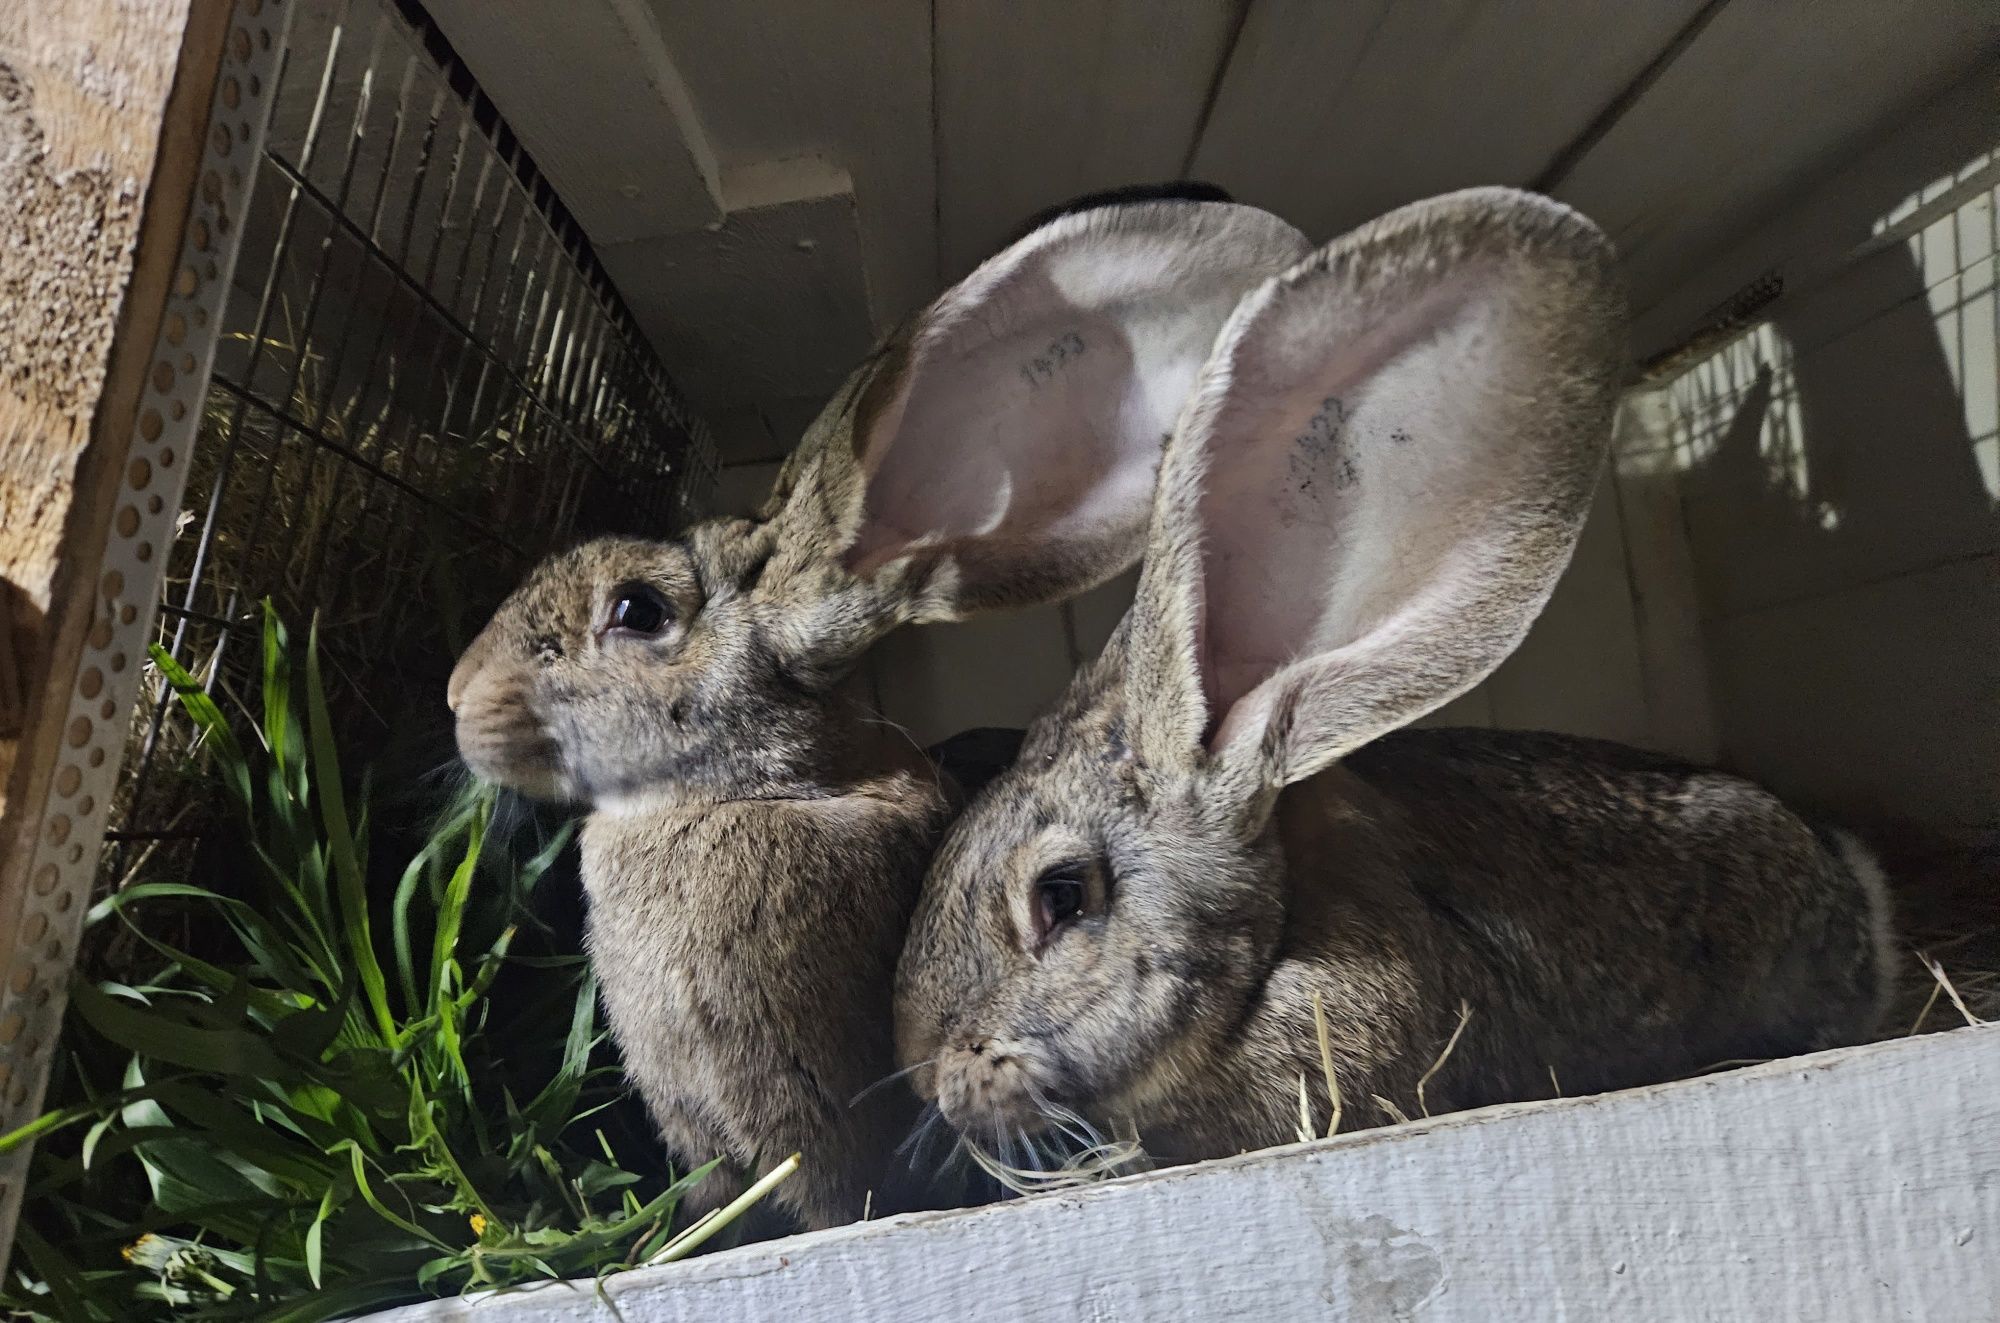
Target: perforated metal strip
column 69, row 832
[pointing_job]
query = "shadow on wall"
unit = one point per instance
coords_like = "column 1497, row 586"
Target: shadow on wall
column 1841, row 484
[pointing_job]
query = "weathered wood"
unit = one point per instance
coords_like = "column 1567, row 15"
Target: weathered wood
column 102, row 115
column 81, row 104
column 1846, row 1187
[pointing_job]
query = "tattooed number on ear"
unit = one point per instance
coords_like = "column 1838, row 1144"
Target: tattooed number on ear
column 1043, row 366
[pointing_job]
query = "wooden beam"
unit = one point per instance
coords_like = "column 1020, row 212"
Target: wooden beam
column 1846, row 1187
column 104, row 116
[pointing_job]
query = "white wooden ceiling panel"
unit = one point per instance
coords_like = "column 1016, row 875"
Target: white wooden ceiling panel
column 768, row 304
column 598, row 101
column 1331, row 114
column 1039, row 101
column 775, row 182
column 848, row 81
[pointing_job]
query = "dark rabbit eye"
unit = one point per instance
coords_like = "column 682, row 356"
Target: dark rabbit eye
column 1060, row 895
column 637, row 609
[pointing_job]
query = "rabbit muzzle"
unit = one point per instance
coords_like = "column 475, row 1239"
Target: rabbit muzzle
column 500, row 736
column 988, row 1087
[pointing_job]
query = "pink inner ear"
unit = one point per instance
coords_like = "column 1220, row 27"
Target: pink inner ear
column 1352, row 458
column 1048, row 432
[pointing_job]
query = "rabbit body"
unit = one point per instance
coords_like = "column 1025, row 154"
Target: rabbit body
column 1370, row 494
column 751, row 1002
column 1604, row 917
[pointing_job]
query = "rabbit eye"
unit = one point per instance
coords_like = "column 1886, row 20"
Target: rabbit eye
column 1060, row 894
column 638, row 609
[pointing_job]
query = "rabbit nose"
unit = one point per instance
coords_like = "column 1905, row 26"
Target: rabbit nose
column 461, row 674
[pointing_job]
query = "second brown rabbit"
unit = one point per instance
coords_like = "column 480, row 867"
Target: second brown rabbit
column 1369, row 497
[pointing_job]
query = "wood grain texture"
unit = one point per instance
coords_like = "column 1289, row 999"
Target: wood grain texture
column 1847, row 1187
column 600, row 103
column 1043, row 100
column 102, row 113
column 1332, row 114
column 80, row 106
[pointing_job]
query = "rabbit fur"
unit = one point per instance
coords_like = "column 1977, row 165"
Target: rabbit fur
column 1368, row 498
column 755, row 838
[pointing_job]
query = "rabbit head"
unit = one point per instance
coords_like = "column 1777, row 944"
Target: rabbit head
column 1369, row 496
column 999, row 451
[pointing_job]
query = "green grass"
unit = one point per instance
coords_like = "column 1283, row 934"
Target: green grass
column 328, row 1108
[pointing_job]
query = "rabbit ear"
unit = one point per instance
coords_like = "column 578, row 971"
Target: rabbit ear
column 1011, row 440
column 1380, row 477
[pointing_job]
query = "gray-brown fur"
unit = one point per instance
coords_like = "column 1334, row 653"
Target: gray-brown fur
column 1253, row 840
column 756, row 838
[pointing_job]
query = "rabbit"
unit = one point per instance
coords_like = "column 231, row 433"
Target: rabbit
column 1221, row 824
column 755, row 840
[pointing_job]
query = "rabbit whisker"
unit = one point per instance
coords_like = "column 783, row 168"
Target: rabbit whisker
column 887, row 1080
column 933, row 1115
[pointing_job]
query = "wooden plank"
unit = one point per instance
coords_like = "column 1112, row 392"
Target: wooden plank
column 1846, row 1187
column 599, row 101
column 103, row 116
column 848, row 83
column 999, row 670
column 1332, row 114
column 1042, row 100
column 1763, row 102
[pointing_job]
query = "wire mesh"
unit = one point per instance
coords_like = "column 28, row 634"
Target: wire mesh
column 423, row 382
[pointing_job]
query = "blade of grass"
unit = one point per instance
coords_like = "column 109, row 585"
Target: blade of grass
column 340, row 838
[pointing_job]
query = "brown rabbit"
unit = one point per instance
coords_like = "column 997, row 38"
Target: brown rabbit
column 756, row 840
column 1368, row 498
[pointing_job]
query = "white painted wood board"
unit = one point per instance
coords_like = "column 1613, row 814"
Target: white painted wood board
column 1848, row 1187
column 997, row 670
column 1828, row 465
column 1330, row 114
column 1039, row 101
column 1578, row 669
column 1666, row 609
column 1813, row 233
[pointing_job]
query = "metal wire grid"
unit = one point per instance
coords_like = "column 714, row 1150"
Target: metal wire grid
column 423, row 381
